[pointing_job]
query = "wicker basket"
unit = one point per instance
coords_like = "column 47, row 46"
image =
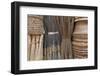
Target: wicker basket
column 80, row 38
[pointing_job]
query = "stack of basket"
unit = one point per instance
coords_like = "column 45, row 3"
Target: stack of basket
column 80, row 38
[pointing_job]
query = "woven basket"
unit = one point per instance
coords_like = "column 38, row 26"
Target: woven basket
column 80, row 38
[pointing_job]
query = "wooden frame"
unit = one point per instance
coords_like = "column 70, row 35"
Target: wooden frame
column 15, row 37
